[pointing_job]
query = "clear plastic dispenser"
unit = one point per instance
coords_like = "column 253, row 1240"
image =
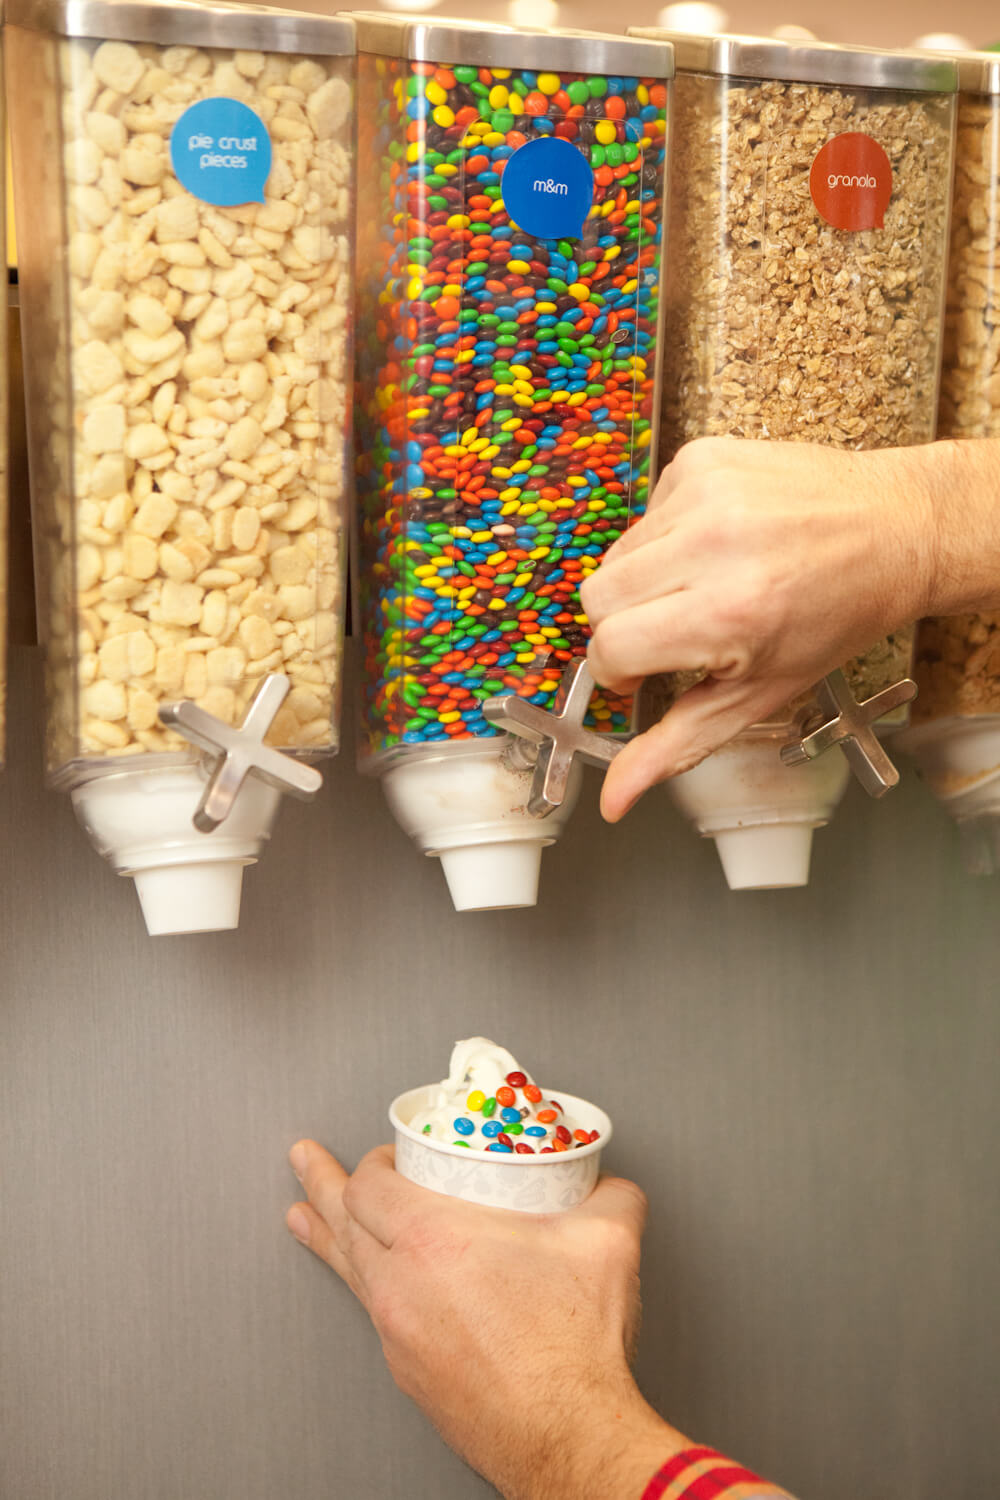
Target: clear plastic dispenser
column 509, row 266
column 183, row 185
column 955, row 735
column 808, row 213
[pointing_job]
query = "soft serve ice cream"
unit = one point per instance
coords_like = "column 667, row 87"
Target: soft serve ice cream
column 489, row 1103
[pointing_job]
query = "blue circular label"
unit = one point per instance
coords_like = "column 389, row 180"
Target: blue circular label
column 221, row 152
column 548, row 188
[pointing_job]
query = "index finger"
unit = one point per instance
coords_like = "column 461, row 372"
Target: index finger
column 617, row 1198
column 380, row 1200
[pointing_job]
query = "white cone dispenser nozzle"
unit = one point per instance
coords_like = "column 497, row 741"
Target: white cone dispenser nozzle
column 760, row 812
column 761, row 796
column 959, row 759
column 142, row 821
column 468, row 804
column 488, row 807
column 184, row 833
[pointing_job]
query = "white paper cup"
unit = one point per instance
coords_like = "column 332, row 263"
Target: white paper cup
column 532, row 1184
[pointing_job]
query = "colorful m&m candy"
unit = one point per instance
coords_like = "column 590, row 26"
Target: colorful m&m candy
column 506, row 371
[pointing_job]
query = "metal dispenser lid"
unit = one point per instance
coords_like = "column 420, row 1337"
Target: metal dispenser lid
column 559, row 735
column 978, row 72
column 847, row 723
column 476, row 43
column 251, row 28
column 806, row 62
column 240, row 752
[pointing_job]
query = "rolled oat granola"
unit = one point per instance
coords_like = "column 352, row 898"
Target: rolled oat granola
column 958, row 658
column 806, row 254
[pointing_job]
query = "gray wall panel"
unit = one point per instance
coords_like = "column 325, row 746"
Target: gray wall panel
column 804, row 1082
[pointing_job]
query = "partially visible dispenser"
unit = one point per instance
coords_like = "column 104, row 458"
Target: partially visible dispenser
column 509, row 266
column 955, row 736
column 183, row 186
column 808, row 213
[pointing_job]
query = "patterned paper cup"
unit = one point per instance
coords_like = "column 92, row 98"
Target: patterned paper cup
column 531, row 1184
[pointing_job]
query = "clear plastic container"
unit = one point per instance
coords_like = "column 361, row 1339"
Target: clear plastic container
column 956, row 718
column 507, row 361
column 184, row 197
column 809, row 197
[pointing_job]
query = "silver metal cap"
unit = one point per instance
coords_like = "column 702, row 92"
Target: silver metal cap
column 978, row 72
column 176, row 23
column 807, row 62
column 479, row 44
column 236, row 752
column 559, row 735
column 843, row 721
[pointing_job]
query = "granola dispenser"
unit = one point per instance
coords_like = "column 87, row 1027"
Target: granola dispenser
column 184, row 199
column 509, row 269
column 955, row 735
column 809, row 195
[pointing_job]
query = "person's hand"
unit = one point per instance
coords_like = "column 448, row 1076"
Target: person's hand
column 512, row 1331
column 765, row 565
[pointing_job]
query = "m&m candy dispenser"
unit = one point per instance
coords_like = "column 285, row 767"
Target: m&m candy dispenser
column 510, row 221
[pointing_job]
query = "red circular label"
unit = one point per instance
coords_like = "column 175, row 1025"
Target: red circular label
column 851, row 182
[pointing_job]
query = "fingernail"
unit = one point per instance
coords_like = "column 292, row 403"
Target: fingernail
column 298, row 1159
column 298, row 1224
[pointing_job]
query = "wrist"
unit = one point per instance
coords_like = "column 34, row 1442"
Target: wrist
column 606, row 1449
column 701, row 1473
column 960, row 485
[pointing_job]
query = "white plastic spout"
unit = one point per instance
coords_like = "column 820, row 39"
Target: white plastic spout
column 186, row 881
column 760, row 812
column 959, row 760
column 466, row 804
column 490, row 877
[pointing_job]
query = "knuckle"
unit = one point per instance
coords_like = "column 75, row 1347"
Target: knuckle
column 747, row 610
column 593, row 591
column 608, row 589
column 387, row 1311
column 605, row 650
column 637, row 1195
column 702, row 455
column 619, row 1243
column 353, row 1195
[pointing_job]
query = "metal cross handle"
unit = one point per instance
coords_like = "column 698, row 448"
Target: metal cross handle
column 559, row 735
column 847, row 723
column 239, row 751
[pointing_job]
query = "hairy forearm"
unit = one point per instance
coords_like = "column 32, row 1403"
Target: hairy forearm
column 961, row 483
column 610, row 1450
column 616, row 1451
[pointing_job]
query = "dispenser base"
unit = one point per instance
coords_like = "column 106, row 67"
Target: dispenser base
column 760, row 812
column 763, row 858
column 959, row 760
column 140, row 819
column 190, row 898
column 491, row 877
column 467, row 804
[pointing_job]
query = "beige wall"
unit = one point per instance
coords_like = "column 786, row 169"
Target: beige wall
column 895, row 24
column 803, row 1081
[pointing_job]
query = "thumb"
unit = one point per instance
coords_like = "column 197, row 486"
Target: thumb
column 704, row 718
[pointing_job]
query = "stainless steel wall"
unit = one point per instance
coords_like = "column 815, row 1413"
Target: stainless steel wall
column 804, row 1082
